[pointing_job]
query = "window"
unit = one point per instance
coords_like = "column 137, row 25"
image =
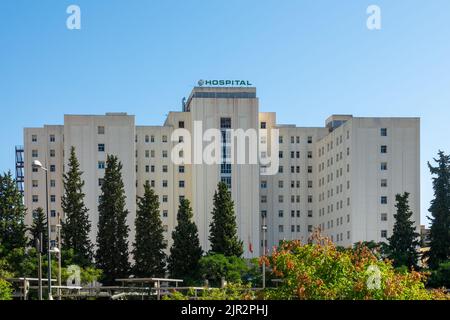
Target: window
column 164, row 138
column 310, row 184
column 164, row 154
column 100, row 182
column 164, row 183
column 383, row 149
column 34, row 169
column 35, row 184
column 34, row 153
column 383, row 217
column 34, row 138
column 263, row 184
column 383, row 132
column 309, row 154
column 181, row 169
column 101, row 165
column 263, row 213
column 52, row 138
column 101, row 147
column 310, row 213
column 52, row 198
column 310, row 228
column 152, row 139
column 292, row 228
column 35, row 198
column 263, row 125
column 152, row 168
column 310, row 139
column 280, row 213
column 164, row 169
column 384, row 234
column 181, row 184
column 280, row 139
column 52, row 168
column 101, row 130
column 384, row 166
column 280, row 228
column 263, row 199
column 165, row 214
column 147, row 138
column 52, row 183
column 180, row 124
column 165, row 199
column 280, row 199
column 53, row 213
column 225, row 123
column 383, row 183
column 310, row 199
column 383, row 200
column 52, row 153
column 297, row 139
column 280, row 184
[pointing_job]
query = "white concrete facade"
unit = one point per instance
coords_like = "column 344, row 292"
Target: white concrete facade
column 342, row 177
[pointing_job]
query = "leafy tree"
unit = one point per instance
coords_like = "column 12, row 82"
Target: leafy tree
column 214, row 267
column 112, row 236
column 76, row 227
column 318, row 271
column 441, row 276
column 223, row 228
column 404, row 241
column 186, row 250
column 440, row 212
column 12, row 214
column 149, row 246
column 39, row 227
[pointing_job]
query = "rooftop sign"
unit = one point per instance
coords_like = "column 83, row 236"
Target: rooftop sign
column 224, row 83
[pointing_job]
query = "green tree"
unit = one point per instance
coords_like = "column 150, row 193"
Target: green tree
column 76, row 226
column 214, row 267
column 441, row 276
column 39, row 227
column 440, row 212
column 112, row 236
column 12, row 214
column 223, row 228
column 404, row 242
column 186, row 250
column 149, row 246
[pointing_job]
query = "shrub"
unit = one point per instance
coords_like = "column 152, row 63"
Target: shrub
column 319, row 271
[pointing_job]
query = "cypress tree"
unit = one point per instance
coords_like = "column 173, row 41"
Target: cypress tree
column 440, row 212
column 76, row 227
column 404, row 242
column 12, row 214
column 112, row 236
column 38, row 227
column 149, row 246
column 223, row 228
column 186, row 250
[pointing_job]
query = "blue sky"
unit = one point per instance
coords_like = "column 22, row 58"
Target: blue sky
column 308, row 59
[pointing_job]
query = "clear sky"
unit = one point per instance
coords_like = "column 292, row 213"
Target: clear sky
column 308, row 59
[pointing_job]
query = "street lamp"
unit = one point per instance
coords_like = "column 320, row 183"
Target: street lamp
column 264, row 229
column 38, row 165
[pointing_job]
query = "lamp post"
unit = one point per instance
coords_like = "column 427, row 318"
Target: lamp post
column 37, row 164
column 58, row 226
column 39, row 251
column 264, row 229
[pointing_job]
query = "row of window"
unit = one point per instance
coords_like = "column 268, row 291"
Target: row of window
column 294, row 199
